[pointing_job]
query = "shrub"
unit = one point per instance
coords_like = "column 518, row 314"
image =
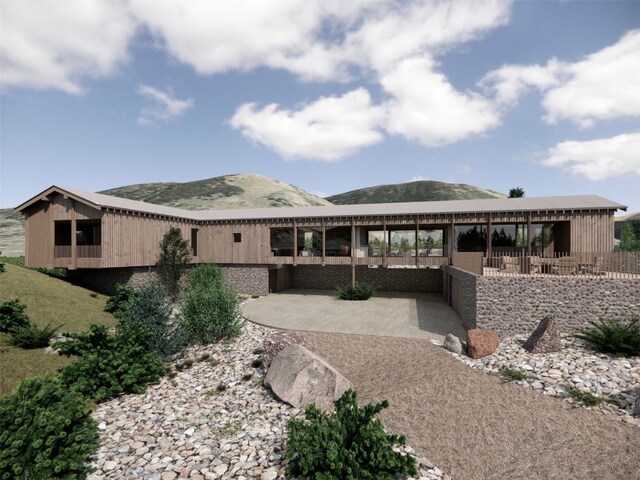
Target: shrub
column 173, row 261
column 110, row 364
column 613, row 336
column 12, row 315
column 45, row 432
column 347, row 444
column 582, row 398
column 510, row 374
column 148, row 307
column 30, row 336
column 210, row 308
column 119, row 301
column 359, row 291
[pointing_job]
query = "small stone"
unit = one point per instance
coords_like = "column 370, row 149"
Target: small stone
column 269, row 475
column 452, row 343
column 221, row 469
column 110, row 465
column 169, row 475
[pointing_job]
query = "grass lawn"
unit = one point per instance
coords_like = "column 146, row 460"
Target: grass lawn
column 48, row 300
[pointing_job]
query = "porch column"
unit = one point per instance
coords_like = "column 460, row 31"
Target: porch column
column 295, row 242
column 489, row 234
column 384, row 241
column 353, row 258
column 452, row 237
column 74, row 254
column 529, row 234
column 417, row 234
column 324, row 239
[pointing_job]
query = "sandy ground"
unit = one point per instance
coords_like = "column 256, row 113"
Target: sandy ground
column 471, row 424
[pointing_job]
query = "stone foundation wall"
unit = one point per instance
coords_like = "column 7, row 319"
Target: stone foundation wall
column 246, row 279
column 427, row 280
column 515, row 305
column 460, row 292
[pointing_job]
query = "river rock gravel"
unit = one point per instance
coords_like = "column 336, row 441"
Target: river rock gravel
column 211, row 418
column 614, row 379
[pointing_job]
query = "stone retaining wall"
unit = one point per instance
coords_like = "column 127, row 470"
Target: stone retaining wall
column 246, row 279
column 515, row 305
column 428, row 280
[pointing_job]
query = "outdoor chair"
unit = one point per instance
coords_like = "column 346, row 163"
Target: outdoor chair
column 566, row 266
column 509, row 265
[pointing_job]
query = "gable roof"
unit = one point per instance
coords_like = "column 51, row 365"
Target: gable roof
column 526, row 204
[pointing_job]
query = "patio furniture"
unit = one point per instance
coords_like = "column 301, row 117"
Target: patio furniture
column 509, row 265
column 566, row 266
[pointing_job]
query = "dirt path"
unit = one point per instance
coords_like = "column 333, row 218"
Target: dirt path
column 472, row 425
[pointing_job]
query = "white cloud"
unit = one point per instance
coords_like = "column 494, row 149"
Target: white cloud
column 428, row 109
column 598, row 159
column 603, row 86
column 48, row 44
column 417, row 178
column 164, row 106
column 328, row 129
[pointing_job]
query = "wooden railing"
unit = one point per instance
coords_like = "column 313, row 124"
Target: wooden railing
column 469, row 261
column 596, row 264
column 82, row 251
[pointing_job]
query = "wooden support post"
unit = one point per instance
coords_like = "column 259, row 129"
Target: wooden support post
column 295, row 242
column 452, row 236
column 384, row 241
column 324, row 239
column 489, row 235
column 353, row 275
column 529, row 234
column 73, row 236
column 417, row 234
column 353, row 241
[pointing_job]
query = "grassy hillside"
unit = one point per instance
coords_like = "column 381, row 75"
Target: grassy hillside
column 226, row 192
column 48, row 300
column 421, row 191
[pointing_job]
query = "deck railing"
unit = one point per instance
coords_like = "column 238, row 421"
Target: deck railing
column 82, row 251
column 595, row 264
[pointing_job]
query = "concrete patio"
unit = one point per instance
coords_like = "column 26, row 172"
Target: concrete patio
column 388, row 314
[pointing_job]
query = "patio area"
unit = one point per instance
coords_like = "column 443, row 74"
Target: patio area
column 387, row 314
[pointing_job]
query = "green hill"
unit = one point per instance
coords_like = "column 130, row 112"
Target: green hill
column 226, row 192
column 48, row 300
column 420, row 191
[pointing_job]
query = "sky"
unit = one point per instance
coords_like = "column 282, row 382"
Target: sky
column 327, row 95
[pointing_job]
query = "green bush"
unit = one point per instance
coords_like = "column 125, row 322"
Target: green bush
column 613, row 336
column 359, row 291
column 45, row 432
column 173, row 261
column 110, row 364
column 210, row 308
column 12, row 315
column 347, row 444
column 149, row 307
column 117, row 303
column 30, row 336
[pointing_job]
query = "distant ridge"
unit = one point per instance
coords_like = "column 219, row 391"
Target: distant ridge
column 419, row 191
column 245, row 190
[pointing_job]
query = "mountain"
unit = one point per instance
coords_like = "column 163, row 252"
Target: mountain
column 244, row 190
column 420, row 191
column 251, row 191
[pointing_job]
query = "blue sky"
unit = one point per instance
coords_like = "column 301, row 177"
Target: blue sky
column 329, row 96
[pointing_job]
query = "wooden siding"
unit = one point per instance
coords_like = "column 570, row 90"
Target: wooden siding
column 130, row 240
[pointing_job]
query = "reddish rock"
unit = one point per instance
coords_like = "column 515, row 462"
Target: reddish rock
column 545, row 338
column 481, row 343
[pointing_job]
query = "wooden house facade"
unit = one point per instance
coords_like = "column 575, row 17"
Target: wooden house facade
column 67, row 228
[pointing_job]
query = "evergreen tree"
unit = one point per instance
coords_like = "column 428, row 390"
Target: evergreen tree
column 516, row 192
column 173, row 261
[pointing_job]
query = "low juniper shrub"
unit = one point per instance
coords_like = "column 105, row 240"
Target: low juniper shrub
column 30, row 336
column 12, row 315
column 149, row 307
column 359, row 291
column 110, row 364
column 346, row 444
column 45, row 432
column 117, row 303
column 613, row 336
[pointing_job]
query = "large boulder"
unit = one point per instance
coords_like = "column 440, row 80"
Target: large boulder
column 279, row 341
column 300, row 377
column 481, row 343
column 545, row 338
column 452, row 343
